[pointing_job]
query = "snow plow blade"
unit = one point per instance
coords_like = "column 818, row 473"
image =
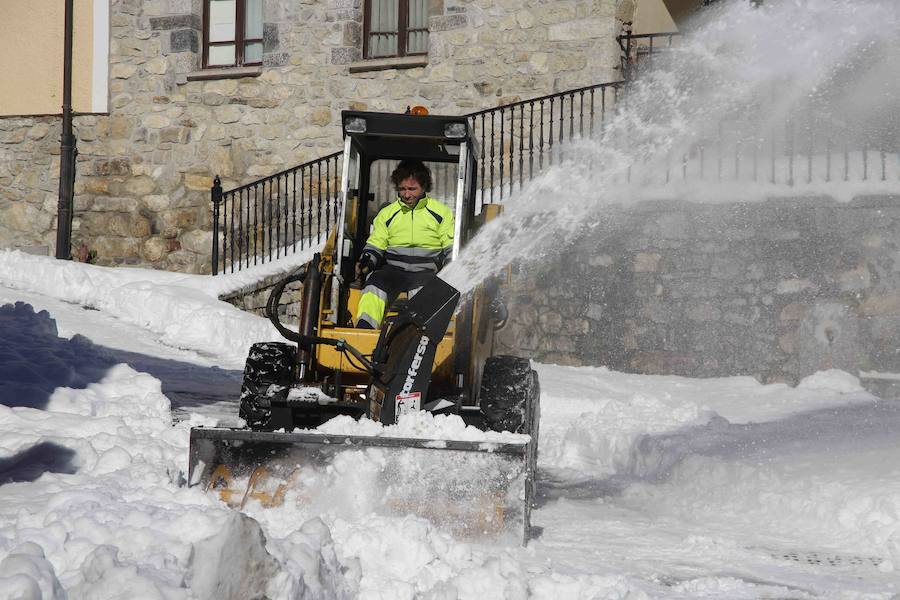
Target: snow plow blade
column 474, row 490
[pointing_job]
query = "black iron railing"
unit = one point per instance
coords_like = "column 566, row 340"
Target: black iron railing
column 517, row 141
column 290, row 210
column 638, row 49
column 803, row 147
column 276, row 215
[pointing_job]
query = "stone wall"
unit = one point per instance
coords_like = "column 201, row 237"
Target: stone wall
column 777, row 290
column 144, row 171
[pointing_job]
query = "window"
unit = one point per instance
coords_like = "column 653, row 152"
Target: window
column 232, row 33
column 396, row 28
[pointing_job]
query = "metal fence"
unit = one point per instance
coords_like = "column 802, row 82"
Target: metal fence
column 519, row 140
column 639, row 49
column 276, row 215
column 804, row 145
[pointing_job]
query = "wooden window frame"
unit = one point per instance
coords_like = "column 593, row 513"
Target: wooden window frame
column 402, row 31
column 239, row 40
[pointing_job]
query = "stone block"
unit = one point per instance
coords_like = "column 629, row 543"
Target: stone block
column 793, row 312
column 579, row 30
column 18, row 216
column 448, row 22
column 175, row 135
column 197, row 241
column 345, row 55
column 880, row 305
column 155, row 121
column 156, row 66
column 122, row 71
column 96, row 185
column 525, row 19
column 198, row 181
column 249, row 89
column 122, row 100
column 352, row 34
column 226, row 87
column 184, row 40
column 115, row 167
column 155, row 202
column 190, row 21
column 140, row 186
column 154, row 249
column 111, row 247
column 263, row 103
column 38, row 131
column 213, row 99
column 320, row 116
column 230, row 113
column 276, row 59
column 270, row 37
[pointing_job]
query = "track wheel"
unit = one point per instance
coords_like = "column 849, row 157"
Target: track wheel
column 268, row 375
column 510, row 394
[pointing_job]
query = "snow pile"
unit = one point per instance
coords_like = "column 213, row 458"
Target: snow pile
column 91, row 484
column 420, row 425
column 182, row 309
column 599, row 417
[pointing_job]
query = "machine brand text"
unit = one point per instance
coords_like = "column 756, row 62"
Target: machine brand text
column 414, row 367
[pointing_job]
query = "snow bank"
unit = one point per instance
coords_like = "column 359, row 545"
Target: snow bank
column 593, row 418
column 182, row 309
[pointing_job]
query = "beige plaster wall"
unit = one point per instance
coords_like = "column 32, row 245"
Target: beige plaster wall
column 31, row 56
column 652, row 16
column 682, row 9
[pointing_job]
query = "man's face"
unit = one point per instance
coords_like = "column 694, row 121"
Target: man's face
column 410, row 191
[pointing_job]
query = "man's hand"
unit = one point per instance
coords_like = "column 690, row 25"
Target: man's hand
column 368, row 262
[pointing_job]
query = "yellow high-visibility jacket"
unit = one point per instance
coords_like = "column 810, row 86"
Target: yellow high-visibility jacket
column 413, row 239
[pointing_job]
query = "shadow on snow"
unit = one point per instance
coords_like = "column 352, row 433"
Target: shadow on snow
column 29, row 464
column 34, row 361
column 653, row 458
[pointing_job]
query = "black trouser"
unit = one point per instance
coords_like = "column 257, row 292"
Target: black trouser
column 382, row 288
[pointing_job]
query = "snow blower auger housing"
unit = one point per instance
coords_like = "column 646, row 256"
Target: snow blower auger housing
column 430, row 354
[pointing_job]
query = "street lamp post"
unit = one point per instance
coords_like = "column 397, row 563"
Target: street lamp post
column 68, row 150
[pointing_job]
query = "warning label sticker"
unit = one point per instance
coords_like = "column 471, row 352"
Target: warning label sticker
column 407, row 403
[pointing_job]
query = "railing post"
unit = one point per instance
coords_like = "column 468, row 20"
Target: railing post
column 216, row 193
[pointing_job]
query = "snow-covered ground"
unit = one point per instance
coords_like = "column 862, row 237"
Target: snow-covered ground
column 649, row 486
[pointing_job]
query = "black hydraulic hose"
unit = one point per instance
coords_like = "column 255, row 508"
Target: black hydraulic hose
column 272, row 304
column 307, row 341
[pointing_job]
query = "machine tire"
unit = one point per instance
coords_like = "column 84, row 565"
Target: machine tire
column 268, row 364
column 510, row 395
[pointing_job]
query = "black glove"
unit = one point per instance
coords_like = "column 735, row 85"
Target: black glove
column 368, row 262
column 443, row 259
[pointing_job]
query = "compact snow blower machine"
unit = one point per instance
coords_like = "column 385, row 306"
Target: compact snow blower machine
column 432, row 353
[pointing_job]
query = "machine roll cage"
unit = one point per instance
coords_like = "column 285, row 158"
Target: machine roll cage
column 372, row 136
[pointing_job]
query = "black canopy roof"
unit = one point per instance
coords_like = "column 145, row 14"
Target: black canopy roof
column 401, row 136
